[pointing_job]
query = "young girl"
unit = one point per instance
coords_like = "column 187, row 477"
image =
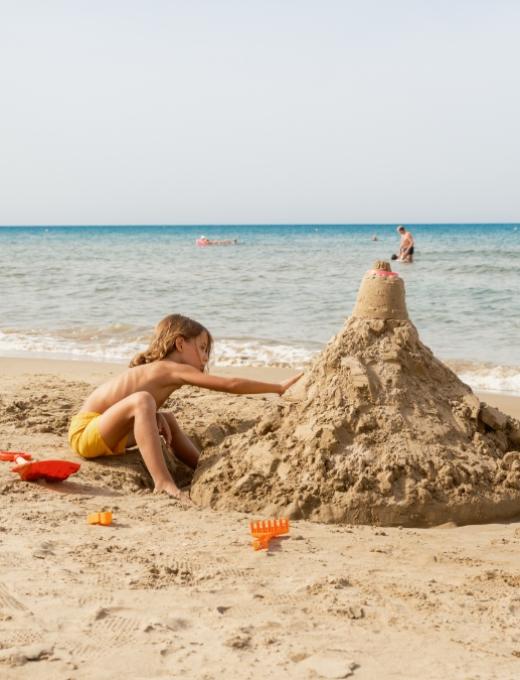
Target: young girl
column 124, row 411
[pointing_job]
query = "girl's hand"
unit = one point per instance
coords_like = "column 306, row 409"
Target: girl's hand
column 289, row 383
column 164, row 428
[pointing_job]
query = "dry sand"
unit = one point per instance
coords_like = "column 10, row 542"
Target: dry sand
column 167, row 592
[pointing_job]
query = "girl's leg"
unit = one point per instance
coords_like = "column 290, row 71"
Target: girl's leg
column 138, row 411
column 183, row 447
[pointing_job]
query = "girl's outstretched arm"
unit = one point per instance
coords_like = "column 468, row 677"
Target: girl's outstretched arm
column 188, row 375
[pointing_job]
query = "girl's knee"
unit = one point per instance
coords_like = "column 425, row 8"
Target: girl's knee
column 143, row 401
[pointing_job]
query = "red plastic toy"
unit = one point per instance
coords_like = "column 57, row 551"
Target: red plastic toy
column 11, row 456
column 52, row 470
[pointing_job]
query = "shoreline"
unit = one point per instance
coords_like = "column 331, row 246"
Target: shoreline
column 232, row 354
column 96, row 372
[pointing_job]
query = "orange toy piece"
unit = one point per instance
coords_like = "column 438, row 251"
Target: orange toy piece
column 264, row 530
column 103, row 518
column 11, row 456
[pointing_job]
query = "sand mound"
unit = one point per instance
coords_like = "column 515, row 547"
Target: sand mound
column 379, row 431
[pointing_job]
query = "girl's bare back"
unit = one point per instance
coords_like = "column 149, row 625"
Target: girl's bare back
column 155, row 378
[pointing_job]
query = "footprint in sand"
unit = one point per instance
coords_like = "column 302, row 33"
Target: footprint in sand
column 19, row 638
column 106, row 629
column 113, row 629
column 93, row 599
column 86, row 652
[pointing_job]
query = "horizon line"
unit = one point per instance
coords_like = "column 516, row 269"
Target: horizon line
column 252, row 224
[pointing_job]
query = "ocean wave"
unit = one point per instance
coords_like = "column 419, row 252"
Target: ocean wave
column 488, row 377
column 235, row 352
column 118, row 343
column 102, row 344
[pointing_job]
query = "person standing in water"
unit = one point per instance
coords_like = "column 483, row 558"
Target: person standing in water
column 406, row 248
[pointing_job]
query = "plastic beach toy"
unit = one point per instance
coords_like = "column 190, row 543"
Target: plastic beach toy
column 264, row 530
column 11, row 456
column 103, row 518
column 202, row 241
column 382, row 272
column 51, row 470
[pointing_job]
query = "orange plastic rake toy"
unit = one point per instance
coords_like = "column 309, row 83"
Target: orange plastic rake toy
column 264, row 530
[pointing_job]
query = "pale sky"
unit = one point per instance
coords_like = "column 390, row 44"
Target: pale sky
column 222, row 111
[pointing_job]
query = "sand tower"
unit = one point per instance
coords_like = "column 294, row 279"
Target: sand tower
column 378, row 431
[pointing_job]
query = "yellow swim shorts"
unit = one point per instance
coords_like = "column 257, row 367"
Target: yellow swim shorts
column 85, row 439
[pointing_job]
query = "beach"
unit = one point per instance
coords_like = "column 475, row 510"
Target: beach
column 259, row 341
column 168, row 591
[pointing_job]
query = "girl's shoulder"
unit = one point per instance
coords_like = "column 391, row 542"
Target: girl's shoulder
column 162, row 367
column 147, row 368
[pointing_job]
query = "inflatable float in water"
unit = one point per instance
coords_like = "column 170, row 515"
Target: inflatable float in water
column 202, row 242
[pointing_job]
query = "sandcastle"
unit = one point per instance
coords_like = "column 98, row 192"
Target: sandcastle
column 378, row 431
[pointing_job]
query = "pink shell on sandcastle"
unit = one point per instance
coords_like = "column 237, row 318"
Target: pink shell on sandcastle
column 381, row 268
column 381, row 272
column 378, row 431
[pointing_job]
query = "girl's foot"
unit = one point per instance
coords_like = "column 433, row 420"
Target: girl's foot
column 173, row 490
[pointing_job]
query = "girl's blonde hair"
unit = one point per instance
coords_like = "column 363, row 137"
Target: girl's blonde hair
column 165, row 336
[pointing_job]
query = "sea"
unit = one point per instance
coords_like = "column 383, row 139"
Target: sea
column 272, row 299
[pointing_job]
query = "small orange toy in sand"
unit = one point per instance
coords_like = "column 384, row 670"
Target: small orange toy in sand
column 103, row 518
column 264, row 530
column 51, row 470
column 11, row 456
